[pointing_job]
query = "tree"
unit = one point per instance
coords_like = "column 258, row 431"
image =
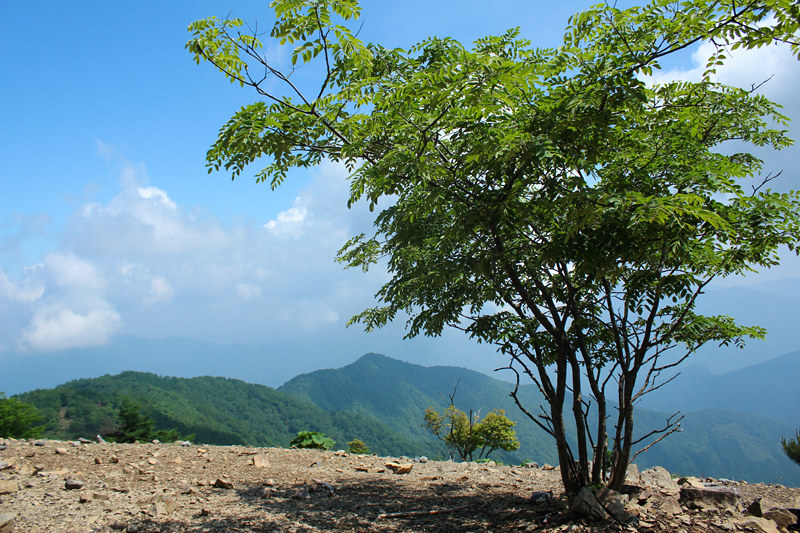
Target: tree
column 133, row 425
column 547, row 201
column 19, row 420
column 466, row 433
column 792, row 447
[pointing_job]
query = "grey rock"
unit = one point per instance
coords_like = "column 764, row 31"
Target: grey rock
column 73, row 484
column 3, row 447
column 4, row 465
column 541, row 497
column 39, row 442
column 719, row 497
column 83, row 440
column 100, row 439
column 585, row 504
column 660, row 479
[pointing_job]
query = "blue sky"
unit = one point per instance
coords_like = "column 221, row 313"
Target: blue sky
column 110, row 224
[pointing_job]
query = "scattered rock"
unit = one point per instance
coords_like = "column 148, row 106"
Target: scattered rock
column 632, row 475
column 400, row 468
column 40, row 442
column 757, row 524
column 691, row 481
column 100, row 440
column 548, row 467
column 719, row 497
column 4, row 465
column 7, row 522
column 61, row 451
column 83, row 440
column 660, row 479
column 223, row 484
column 541, row 497
column 261, row 461
column 8, row 486
column 585, row 504
column 421, row 459
column 73, row 484
column 258, row 492
column 164, row 505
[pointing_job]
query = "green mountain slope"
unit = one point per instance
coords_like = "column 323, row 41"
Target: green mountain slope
column 397, row 394
column 215, row 410
column 713, row 442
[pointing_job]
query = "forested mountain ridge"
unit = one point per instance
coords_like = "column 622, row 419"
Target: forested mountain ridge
column 381, row 401
column 713, row 442
column 216, row 410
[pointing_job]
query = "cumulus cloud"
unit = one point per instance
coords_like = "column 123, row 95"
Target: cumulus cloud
column 141, row 263
column 57, row 328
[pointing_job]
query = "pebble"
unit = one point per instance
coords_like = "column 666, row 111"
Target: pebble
column 73, row 484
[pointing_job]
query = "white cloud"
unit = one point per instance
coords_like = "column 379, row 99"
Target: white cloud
column 57, row 328
column 160, row 291
column 290, row 223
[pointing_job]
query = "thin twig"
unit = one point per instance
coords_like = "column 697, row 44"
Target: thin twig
column 421, row 513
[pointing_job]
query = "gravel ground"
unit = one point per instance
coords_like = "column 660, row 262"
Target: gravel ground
column 141, row 488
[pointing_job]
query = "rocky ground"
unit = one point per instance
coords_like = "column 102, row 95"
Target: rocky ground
column 93, row 487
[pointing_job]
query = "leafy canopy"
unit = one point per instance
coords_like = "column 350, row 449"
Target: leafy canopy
column 548, row 201
column 467, row 433
column 19, row 420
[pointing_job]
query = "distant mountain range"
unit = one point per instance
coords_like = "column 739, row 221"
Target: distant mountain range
column 381, row 400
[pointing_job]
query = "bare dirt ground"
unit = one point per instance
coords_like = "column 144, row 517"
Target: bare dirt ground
column 141, row 488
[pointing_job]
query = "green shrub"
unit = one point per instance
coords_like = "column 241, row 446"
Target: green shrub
column 357, row 446
column 313, row 440
column 19, row 420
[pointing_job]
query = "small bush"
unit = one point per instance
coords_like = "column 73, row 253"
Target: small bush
column 313, row 440
column 357, row 446
column 792, row 447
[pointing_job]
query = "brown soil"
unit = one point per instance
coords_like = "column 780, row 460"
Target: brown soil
column 169, row 488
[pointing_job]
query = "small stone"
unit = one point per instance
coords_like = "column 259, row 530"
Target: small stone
column 98, row 496
column 101, row 440
column 421, row 459
column 8, row 486
column 39, row 442
column 83, row 440
column 156, row 441
column 76, row 443
column 186, row 443
column 400, row 468
column 223, row 484
column 548, row 467
column 541, row 497
column 73, row 484
column 261, row 461
column 98, row 461
column 204, row 512
column 340, row 453
column 113, row 459
column 7, row 522
column 152, row 461
column 4, row 465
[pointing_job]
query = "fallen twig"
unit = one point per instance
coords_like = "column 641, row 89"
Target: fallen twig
column 421, row 513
